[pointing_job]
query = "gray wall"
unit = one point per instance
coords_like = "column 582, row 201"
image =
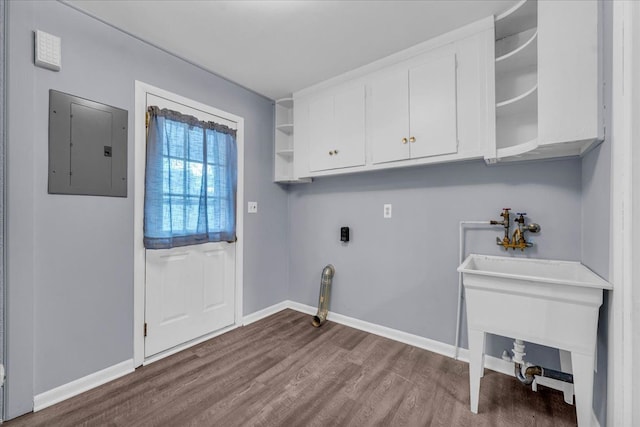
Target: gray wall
column 70, row 258
column 401, row 272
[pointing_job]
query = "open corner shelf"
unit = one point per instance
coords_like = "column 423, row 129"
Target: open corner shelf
column 286, row 128
column 287, row 152
column 285, row 102
column 517, row 150
column 523, row 56
column 522, row 16
column 521, row 104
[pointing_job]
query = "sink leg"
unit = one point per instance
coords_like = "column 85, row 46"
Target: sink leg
column 565, row 366
column 476, row 356
column 583, row 385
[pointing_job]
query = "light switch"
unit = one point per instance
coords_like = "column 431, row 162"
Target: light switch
column 252, row 207
column 48, row 51
column 387, row 211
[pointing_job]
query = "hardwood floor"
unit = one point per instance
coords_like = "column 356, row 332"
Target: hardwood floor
column 281, row 371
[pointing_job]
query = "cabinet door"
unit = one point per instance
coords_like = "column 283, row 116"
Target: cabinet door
column 390, row 117
column 432, row 117
column 337, row 126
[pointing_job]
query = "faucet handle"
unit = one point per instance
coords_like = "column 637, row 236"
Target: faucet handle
column 521, row 213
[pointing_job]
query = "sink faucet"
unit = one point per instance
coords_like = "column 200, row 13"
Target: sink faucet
column 517, row 241
column 505, row 223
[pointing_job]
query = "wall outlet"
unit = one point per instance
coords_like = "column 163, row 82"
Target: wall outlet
column 252, row 207
column 387, row 211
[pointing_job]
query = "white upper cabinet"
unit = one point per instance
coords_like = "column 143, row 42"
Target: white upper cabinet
column 548, row 85
column 526, row 85
column 336, row 122
column 431, row 103
column 413, row 111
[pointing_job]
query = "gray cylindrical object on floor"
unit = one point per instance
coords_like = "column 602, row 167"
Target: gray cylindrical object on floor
column 325, row 292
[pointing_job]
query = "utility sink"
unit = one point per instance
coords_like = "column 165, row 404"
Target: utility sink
column 570, row 273
column 553, row 303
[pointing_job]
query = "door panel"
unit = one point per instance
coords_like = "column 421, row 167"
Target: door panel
column 349, row 116
column 390, row 117
column 433, row 112
column 188, row 295
column 337, row 129
column 321, row 133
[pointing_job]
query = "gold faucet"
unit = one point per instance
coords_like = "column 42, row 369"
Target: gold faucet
column 517, row 241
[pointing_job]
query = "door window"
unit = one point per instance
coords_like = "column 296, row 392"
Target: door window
column 190, row 181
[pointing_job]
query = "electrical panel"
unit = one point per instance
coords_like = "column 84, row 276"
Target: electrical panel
column 87, row 147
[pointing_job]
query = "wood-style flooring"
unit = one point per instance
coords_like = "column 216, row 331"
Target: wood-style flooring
column 281, row 371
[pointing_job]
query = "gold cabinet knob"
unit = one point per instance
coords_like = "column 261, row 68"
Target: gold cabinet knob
column 412, row 139
column 404, row 140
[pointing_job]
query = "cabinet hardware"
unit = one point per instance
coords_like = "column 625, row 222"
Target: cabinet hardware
column 404, row 140
column 331, row 153
column 335, row 152
column 412, row 139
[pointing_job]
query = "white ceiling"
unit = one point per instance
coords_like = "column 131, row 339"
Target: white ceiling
column 278, row 47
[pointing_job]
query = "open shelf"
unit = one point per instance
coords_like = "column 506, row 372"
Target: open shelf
column 285, row 102
column 523, row 56
column 517, row 70
column 522, row 104
column 285, row 128
column 287, row 152
column 517, row 150
column 522, row 16
column 283, row 171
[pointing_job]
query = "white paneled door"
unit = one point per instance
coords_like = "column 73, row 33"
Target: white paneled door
column 190, row 290
column 189, row 293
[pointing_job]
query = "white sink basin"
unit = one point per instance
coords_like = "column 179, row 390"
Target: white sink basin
column 570, row 273
column 554, row 303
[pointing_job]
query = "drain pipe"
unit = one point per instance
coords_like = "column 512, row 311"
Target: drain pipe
column 325, row 290
column 527, row 374
column 460, row 259
column 527, row 377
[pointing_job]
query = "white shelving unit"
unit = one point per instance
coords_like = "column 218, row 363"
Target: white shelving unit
column 283, row 158
column 548, row 87
column 517, row 80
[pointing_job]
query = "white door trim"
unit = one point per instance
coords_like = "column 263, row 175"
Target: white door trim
column 141, row 89
column 622, row 371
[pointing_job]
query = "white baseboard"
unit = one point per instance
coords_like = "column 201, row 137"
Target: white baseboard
column 265, row 312
column 66, row 391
